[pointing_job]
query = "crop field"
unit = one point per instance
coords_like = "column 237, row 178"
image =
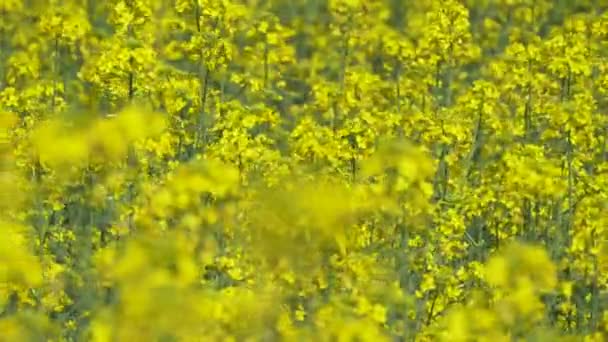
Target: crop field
column 303, row 170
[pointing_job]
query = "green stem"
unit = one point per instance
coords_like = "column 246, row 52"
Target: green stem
column 3, row 47
column 201, row 131
column 266, row 66
column 56, row 72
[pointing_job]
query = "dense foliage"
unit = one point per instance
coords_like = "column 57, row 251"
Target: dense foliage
column 328, row 170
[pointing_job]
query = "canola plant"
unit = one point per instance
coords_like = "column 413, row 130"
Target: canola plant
column 304, row 170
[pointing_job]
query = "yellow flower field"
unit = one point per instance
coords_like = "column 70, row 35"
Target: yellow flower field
column 304, row 170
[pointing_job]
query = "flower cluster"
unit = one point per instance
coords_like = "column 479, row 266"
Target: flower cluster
column 332, row 170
